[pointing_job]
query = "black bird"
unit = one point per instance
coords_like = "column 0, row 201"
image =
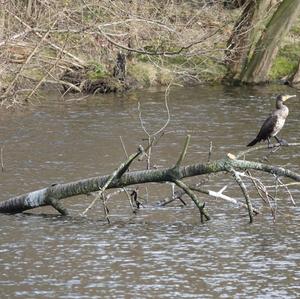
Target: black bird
column 274, row 123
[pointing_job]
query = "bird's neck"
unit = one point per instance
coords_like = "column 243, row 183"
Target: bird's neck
column 280, row 105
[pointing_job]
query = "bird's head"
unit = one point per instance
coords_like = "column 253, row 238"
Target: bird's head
column 282, row 98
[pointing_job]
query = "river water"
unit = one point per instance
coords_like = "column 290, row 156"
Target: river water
column 158, row 252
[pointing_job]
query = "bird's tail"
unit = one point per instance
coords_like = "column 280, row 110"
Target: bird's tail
column 253, row 142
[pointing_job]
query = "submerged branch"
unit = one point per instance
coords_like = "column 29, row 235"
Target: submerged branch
column 192, row 195
column 39, row 198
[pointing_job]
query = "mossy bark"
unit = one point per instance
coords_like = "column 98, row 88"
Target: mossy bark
column 296, row 77
column 46, row 195
column 244, row 35
column 256, row 71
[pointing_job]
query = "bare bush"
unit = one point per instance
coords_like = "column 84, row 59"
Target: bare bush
column 41, row 40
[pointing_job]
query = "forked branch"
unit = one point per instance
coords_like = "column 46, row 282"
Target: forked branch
column 121, row 178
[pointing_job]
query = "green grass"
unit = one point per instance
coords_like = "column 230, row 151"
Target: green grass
column 286, row 62
column 97, row 71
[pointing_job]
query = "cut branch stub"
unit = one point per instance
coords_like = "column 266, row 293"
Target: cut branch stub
column 58, row 206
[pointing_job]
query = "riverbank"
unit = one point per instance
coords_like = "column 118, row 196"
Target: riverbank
column 74, row 47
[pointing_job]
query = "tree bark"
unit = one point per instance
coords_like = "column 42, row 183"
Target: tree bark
column 244, row 35
column 296, row 77
column 52, row 194
column 256, row 71
column 233, row 4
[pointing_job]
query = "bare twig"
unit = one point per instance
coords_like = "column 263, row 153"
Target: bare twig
column 79, row 63
column 245, row 192
column 129, row 199
column 1, row 158
column 106, row 210
column 47, row 73
column 158, row 53
column 287, row 184
column 287, row 189
column 117, row 173
column 184, row 150
column 123, row 146
column 14, row 37
column 154, row 22
column 152, row 137
column 43, row 38
column 210, row 151
column 259, row 147
column 261, row 189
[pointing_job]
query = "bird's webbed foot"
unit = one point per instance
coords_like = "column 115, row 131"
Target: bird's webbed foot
column 270, row 145
column 281, row 141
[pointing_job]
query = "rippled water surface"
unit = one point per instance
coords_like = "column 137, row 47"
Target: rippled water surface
column 158, row 252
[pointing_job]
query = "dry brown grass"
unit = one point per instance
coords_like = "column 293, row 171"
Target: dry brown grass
column 92, row 32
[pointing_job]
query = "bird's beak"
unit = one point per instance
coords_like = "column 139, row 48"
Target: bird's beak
column 284, row 98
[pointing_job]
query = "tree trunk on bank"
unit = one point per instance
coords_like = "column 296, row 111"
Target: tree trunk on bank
column 245, row 34
column 256, row 71
column 296, row 78
column 233, row 4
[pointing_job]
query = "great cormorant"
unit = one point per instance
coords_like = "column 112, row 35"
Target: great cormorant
column 274, row 123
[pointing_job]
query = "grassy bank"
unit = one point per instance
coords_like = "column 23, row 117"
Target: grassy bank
column 167, row 41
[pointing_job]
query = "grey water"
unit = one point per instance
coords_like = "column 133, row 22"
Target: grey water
column 158, row 252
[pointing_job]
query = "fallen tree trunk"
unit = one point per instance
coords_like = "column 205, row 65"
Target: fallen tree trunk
column 51, row 195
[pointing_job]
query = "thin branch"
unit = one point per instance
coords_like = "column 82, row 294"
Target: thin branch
column 259, row 186
column 123, row 146
column 158, row 53
column 15, row 36
column 167, row 93
column 245, row 192
column 79, row 63
column 154, row 22
column 287, row 184
column 184, row 150
column 43, row 38
column 152, row 137
column 259, row 147
column 192, row 195
column 1, row 158
column 47, row 73
column 141, row 120
column 116, row 174
column 287, row 189
column 106, row 210
column 210, row 151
